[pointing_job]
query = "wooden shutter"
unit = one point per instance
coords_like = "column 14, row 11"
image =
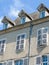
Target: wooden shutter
column 10, row 62
column 25, row 61
column 48, row 58
column 38, row 60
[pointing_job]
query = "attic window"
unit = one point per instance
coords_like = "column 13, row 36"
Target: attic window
column 42, row 14
column 5, row 25
column 22, row 20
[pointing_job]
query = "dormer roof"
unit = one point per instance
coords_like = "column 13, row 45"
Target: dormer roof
column 42, row 7
column 23, row 13
column 7, row 20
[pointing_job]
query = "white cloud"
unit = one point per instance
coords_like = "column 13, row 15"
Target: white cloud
column 1, row 20
column 13, row 12
column 15, row 8
column 18, row 3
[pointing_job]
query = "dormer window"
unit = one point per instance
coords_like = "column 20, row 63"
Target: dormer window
column 22, row 20
column 42, row 14
column 5, row 25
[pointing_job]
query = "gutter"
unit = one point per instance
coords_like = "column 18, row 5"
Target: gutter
column 30, row 33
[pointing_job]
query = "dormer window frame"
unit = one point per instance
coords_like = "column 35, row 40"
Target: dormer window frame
column 42, row 14
column 23, row 19
column 5, row 25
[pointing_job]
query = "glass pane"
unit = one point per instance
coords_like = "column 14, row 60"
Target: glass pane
column 2, row 45
column 44, row 63
column 23, row 20
column 17, row 47
column 3, row 41
column 38, row 60
column 39, row 32
column 39, row 37
column 44, row 35
column 22, row 41
column 4, row 63
column 22, row 36
column 0, row 63
column 18, row 42
column 21, row 46
column 45, row 30
column 25, row 61
column 42, row 14
column 21, row 62
column 9, row 63
column 18, row 38
column 40, row 42
column 44, row 58
column 44, row 41
column 17, row 63
column 0, row 42
column 5, row 25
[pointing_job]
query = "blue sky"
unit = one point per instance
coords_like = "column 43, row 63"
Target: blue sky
column 11, row 8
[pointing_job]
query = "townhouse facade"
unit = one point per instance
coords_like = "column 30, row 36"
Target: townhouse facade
column 26, row 40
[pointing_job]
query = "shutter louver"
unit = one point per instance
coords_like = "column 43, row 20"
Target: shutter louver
column 8, row 63
column 38, row 61
column 25, row 61
column 48, row 59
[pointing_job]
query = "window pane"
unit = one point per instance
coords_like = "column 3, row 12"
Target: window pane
column 44, row 58
column 38, row 60
column 44, row 63
column 39, row 37
column 18, row 42
column 22, row 36
column 22, row 41
column 42, row 14
column 3, row 41
column 2, row 45
column 18, row 38
column 39, row 32
column 44, row 35
column 21, row 46
column 40, row 42
column 9, row 62
column 0, row 63
column 44, row 41
column 17, row 47
column 25, row 61
column 0, row 42
column 45, row 30
column 23, row 20
column 17, row 63
column 21, row 62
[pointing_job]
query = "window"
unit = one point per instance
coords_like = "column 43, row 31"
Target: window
column 0, row 63
column 21, row 62
column 2, row 46
column 20, row 42
column 42, row 36
column 23, row 20
column 42, row 60
column 42, row 14
column 5, row 25
column 9, row 62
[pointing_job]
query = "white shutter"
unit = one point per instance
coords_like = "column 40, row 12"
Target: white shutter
column 38, row 60
column 10, row 62
column 4, row 63
column 25, row 61
column 48, row 58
